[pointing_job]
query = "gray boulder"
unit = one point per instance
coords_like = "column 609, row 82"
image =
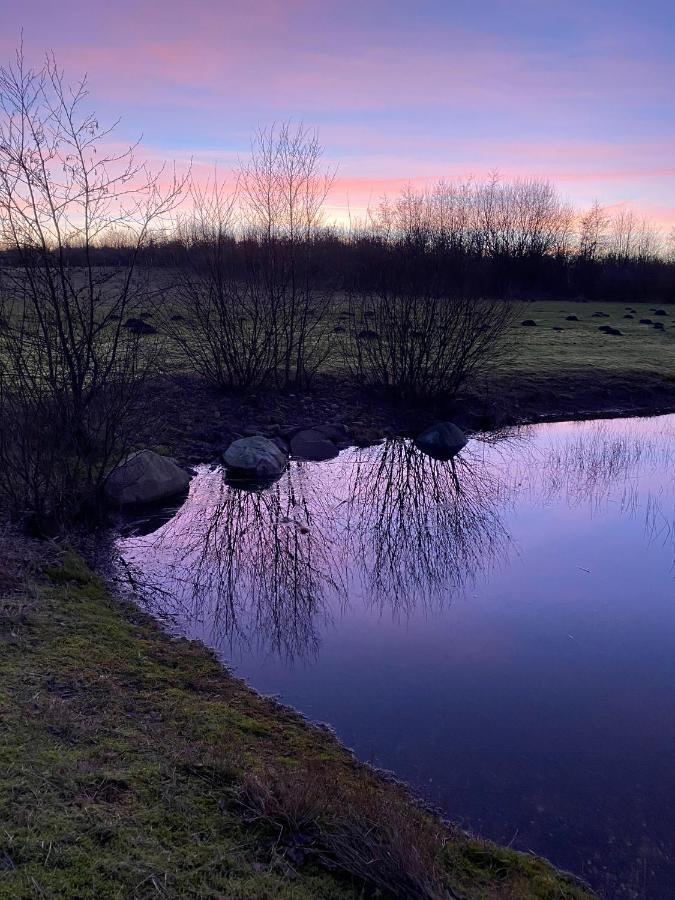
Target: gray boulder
column 256, row 456
column 442, row 441
column 313, row 445
column 145, row 477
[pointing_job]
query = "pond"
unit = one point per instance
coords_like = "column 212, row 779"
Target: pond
column 498, row 630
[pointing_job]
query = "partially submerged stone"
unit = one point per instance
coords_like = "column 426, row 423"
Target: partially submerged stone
column 255, row 456
column 442, row 441
column 312, row 445
column 145, row 477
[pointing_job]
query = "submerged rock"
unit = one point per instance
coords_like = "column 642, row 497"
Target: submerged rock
column 337, row 433
column 145, row 477
column 256, row 456
column 312, row 445
column 442, row 441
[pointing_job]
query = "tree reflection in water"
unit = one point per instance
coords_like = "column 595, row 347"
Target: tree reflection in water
column 419, row 528
column 268, row 567
column 254, row 565
column 385, row 526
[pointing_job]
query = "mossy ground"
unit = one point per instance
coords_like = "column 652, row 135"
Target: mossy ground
column 122, row 751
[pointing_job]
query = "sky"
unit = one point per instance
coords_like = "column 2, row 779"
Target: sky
column 400, row 91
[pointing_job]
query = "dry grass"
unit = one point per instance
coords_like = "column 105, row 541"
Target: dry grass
column 380, row 837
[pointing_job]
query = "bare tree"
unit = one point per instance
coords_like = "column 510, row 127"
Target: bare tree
column 283, row 193
column 70, row 372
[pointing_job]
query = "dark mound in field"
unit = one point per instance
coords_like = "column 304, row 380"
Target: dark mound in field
column 659, row 326
column 607, row 329
column 660, row 312
column 138, row 326
column 628, row 316
column 572, row 318
column 528, row 322
column 646, row 322
column 367, row 335
column 600, row 315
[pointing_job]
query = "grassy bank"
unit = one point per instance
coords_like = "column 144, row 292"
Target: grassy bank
column 135, row 766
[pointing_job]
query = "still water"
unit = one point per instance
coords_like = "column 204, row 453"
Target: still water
column 498, row 630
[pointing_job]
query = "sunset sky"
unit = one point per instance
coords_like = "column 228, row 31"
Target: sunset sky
column 581, row 92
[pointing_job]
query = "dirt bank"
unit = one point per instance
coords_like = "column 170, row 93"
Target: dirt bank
column 197, row 422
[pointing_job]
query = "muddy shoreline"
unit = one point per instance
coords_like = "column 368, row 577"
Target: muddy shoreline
column 195, row 422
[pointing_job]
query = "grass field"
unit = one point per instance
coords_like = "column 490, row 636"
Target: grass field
column 581, row 346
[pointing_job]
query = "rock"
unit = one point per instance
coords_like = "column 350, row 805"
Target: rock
column 600, row 315
column 528, row 322
column 660, row 312
column 646, row 322
column 659, row 326
column 607, row 329
column 138, row 326
column 572, row 318
column 441, row 441
column 366, row 334
column 339, row 329
column 311, row 444
column 629, row 316
column 556, row 328
column 145, row 477
column 255, row 456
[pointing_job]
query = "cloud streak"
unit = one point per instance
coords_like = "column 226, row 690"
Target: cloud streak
column 578, row 92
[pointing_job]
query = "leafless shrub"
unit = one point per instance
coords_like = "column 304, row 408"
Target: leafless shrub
column 373, row 833
column 414, row 327
column 70, row 373
column 230, row 336
column 423, row 344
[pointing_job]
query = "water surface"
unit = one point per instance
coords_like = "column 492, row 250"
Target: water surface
column 498, row 630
